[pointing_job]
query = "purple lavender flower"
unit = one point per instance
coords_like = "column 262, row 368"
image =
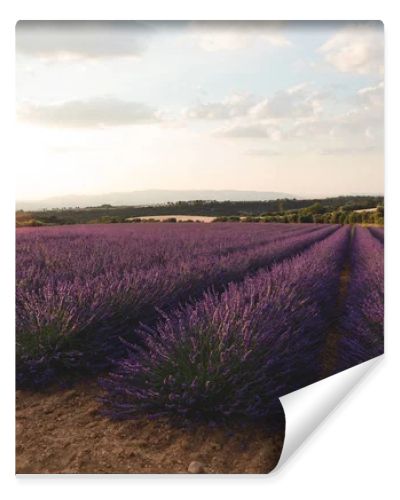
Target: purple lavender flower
column 235, row 353
column 81, row 288
column 362, row 322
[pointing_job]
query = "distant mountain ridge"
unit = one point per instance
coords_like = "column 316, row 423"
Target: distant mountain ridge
column 149, row 197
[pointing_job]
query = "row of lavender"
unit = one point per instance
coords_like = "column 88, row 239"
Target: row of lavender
column 88, row 251
column 65, row 252
column 363, row 318
column 233, row 354
column 378, row 232
column 79, row 290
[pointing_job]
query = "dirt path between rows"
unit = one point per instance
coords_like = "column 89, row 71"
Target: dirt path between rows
column 330, row 353
column 62, row 432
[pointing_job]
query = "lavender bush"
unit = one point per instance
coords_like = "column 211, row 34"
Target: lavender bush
column 362, row 323
column 378, row 232
column 233, row 354
column 79, row 289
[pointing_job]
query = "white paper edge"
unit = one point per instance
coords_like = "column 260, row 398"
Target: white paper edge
column 307, row 408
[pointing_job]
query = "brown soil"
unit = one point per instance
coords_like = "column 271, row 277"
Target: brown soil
column 330, row 353
column 62, row 432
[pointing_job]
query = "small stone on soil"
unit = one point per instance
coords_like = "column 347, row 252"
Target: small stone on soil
column 196, row 468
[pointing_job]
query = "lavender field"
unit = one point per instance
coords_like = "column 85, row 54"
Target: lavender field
column 198, row 321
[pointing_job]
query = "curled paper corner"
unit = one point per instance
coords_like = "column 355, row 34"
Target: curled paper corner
column 306, row 408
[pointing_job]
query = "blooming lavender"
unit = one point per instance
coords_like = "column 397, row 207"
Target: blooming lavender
column 80, row 289
column 233, row 354
column 362, row 322
column 378, row 232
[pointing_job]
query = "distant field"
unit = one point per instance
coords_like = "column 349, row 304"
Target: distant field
column 179, row 218
column 368, row 210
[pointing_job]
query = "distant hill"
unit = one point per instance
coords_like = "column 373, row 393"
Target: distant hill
column 149, row 197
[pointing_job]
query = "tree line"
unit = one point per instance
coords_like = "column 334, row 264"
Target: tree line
column 341, row 209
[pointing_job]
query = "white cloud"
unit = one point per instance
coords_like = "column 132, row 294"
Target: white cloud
column 358, row 129
column 304, row 119
column 230, row 107
column 231, row 36
column 250, row 130
column 299, row 101
column 69, row 40
column 357, row 49
column 372, row 97
column 97, row 112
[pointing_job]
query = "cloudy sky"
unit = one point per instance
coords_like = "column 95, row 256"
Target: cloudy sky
column 120, row 106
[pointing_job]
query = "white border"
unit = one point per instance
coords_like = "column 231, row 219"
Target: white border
column 354, row 453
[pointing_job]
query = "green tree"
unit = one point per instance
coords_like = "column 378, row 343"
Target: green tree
column 305, row 218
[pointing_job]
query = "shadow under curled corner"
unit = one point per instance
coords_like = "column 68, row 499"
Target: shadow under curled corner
column 306, row 408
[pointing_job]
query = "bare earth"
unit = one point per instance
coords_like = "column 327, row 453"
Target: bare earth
column 62, row 432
